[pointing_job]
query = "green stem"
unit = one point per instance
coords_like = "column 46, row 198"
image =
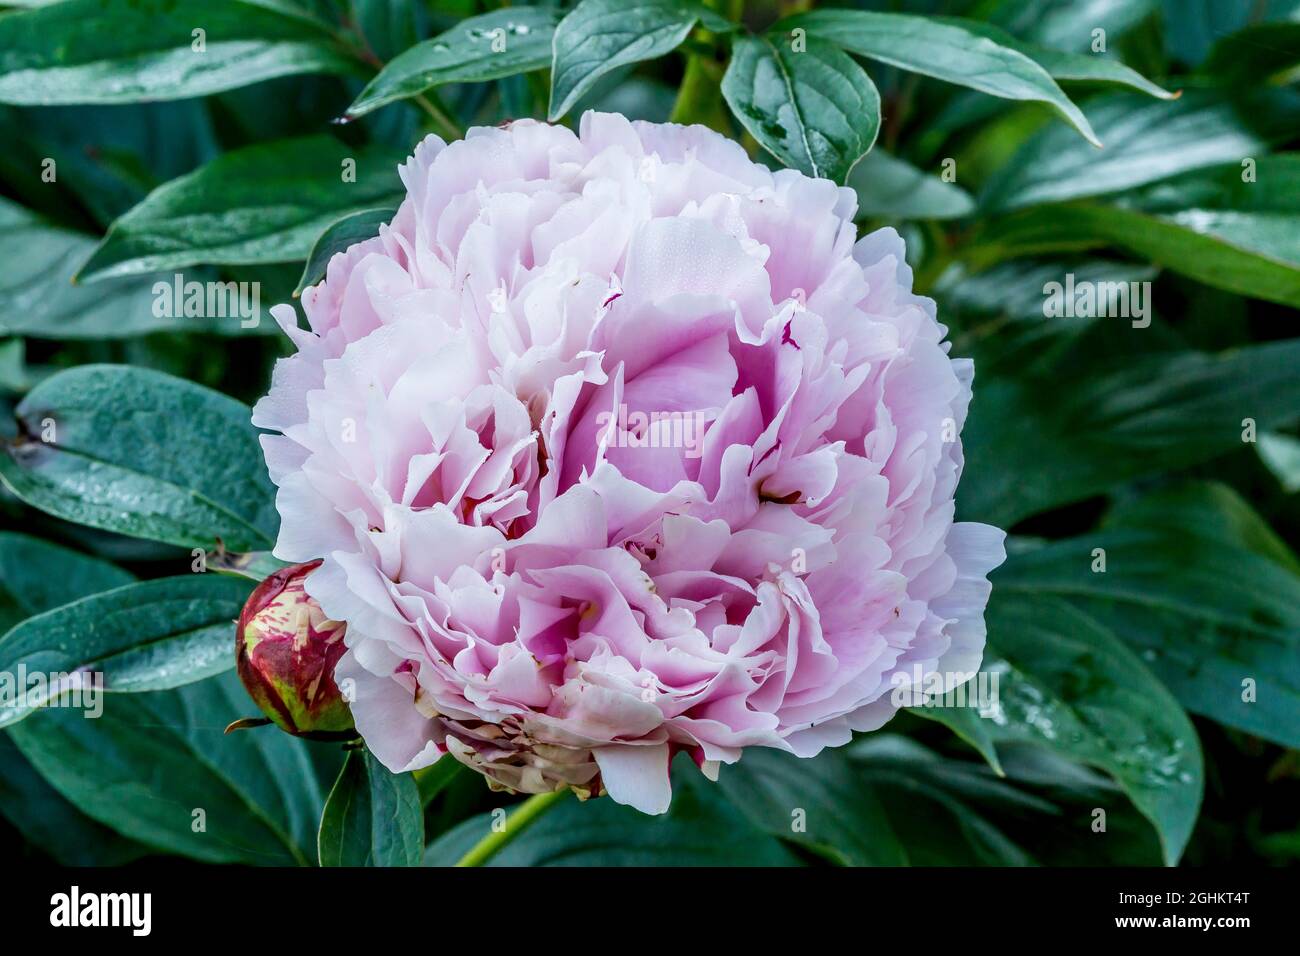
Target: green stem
column 699, row 97
column 938, row 258
column 515, row 824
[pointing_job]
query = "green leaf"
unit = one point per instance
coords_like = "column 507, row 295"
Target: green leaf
column 941, row 808
column 52, row 824
column 341, row 235
column 1087, row 428
column 38, row 299
column 264, row 203
column 1256, row 53
column 1220, row 514
column 436, row 777
column 820, row 803
column 942, row 50
column 1066, row 66
column 1281, row 455
column 1191, row 27
column 1086, row 68
column 891, row 188
column 15, row 375
column 488, row 47
column 1067, row 837
column 1013, row 291
column 952, row 812
column 1251, row 254
column 598, row 36
column 105, row 159
column 1068, row 683
column 1267, row 185
column 642, row 98
column 36, row 576
column 127, row 51
column 143, row 454
column 1242, row 235
column 143, row 636
column 1057, row 678
column 1204, row 609
column 1069, row 25
column 999, row 312
column 816, row 110
column 372, row 817
column 389, row 26
column 152, row 762
column 1145, row 141
column 968, row 725
column 701, row 828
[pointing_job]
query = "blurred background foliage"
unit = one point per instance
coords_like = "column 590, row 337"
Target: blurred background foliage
column 1121, row 691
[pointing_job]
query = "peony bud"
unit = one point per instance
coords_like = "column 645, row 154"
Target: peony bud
column 286, row 649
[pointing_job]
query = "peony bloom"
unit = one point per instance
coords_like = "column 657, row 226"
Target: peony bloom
column 286, row 652
column 615, row 444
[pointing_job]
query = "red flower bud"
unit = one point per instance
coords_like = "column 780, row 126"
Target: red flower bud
column 286, row 649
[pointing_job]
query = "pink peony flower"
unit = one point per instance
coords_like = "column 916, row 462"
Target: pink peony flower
column 616, row 444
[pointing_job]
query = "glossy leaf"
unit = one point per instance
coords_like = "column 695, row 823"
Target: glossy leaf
column 144, row 636
column 1068, row 66
column 264, row 203
column 487, row 47
column 891, row 188
column 817, row 111
column 143, row 454
column 38, row 299
column 820, row 803
column 1146, row 141
column 372, row 817
column 1055, row 677
column 126, row 51
column 939, row 808
column 1090, row 428
column 1249, row 254
column 1216, row 619
column 1000, row 314
column 51, row 823
column 37, row 575
column 1079, row 790
column 1042, row 810
column 943, row 50
column 969, row 725
column 1233, row 227
column 1070, row 25
column 598, row 36
column 1068, row 683
column 152, row 762
column 1281, row 454
column 338, row 237
column 1218, row 512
